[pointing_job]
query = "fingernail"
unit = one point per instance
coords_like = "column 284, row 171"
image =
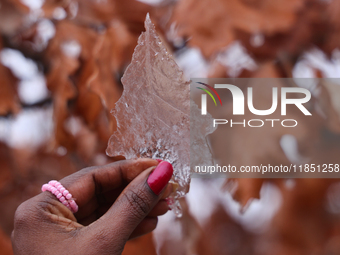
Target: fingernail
column 159, row 160
column 168, row 191
column 174, row 186
column 171, row 188
column 160, row 177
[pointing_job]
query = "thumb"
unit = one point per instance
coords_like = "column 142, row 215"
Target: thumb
column 136, row 201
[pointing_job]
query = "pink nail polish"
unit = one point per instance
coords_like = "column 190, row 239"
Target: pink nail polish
column 160, row 177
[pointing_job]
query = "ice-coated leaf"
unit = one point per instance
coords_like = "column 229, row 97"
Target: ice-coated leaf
column 200, row 127
column 153, row 114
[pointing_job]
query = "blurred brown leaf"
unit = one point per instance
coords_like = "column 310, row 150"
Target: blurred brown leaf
column 235, row 240
column 5, row 244
column 9, row 101
column 143, row 245
column 11, row 16
column 211, row 25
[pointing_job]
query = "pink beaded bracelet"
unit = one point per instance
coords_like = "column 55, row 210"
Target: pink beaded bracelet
column 62, row 194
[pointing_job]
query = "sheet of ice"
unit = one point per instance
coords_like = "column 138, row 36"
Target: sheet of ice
column 153, row 114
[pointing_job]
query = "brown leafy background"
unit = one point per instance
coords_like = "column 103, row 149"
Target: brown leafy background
column 81, row 49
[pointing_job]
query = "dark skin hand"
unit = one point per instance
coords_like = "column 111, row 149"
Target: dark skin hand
column 115, row 205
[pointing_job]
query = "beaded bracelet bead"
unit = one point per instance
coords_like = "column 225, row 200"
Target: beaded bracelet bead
column 62, row 194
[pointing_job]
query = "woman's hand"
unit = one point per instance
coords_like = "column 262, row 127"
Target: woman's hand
column 116, row 202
